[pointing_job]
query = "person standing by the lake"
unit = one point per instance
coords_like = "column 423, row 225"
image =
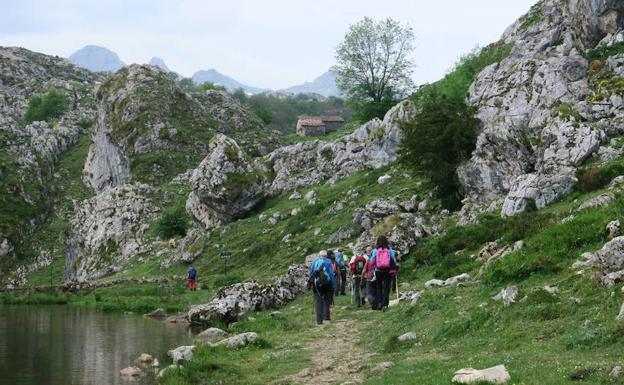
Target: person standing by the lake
column 192, row 276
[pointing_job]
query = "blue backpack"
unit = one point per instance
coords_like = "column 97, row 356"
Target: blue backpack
column 192, row 273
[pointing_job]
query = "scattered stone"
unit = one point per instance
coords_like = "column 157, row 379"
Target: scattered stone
column 155, row 363
column 494, row 375
column 597, row 201
column 340, row 235
column 131, row 371
column 239, row 340
column 317, row 231
column 296, row 211
column 262, row 217
column 488, row 251
column 276, row 314
column 310, row 197
column 382, row 367
column 384, row 179
column 294, row 196
column 448, row 282
column 211, row 335
column 507, row 295
column 407, row 336
column 615, row 372
column 145, row 358
column 551, row 289
column 613, row 228
column 181, row 354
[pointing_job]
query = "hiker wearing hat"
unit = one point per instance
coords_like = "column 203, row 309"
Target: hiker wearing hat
column 321, row 282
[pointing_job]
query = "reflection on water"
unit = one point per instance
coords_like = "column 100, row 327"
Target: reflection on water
column 64, row 345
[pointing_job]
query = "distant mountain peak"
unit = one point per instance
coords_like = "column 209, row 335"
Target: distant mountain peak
column 96, row 59
column 159, row 62
column 325, row 85
column 213, row 76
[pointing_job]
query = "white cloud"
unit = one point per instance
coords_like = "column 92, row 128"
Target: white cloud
column 269, row 43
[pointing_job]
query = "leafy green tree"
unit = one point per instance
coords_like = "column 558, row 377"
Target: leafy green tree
column 374, row 65
column 441, row 137
column 48, row 106
column 172, row 222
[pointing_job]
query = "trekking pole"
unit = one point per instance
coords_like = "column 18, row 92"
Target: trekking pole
column 396, row 282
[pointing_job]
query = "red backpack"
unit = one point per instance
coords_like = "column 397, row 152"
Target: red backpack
column 383, row 259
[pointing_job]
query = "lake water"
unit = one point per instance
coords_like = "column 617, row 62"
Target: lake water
column 64, row 345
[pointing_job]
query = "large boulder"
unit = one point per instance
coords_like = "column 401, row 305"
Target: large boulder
column 181, row 354
column 494, row 375
column 226, row 184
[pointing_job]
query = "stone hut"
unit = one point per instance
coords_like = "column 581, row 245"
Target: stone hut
column 318, row 125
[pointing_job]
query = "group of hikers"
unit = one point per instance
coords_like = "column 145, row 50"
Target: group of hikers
column 373, row 277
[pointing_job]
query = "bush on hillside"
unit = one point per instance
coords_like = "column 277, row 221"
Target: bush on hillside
column 595, row 178
column 46, row 107
column 454, row 86
column 441, row 137
column 172, row 222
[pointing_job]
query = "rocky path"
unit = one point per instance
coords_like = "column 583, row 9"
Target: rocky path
column 336, row 357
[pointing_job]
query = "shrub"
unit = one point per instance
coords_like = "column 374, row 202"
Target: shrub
column 454, row 86
column 603, row 53
column 442, row 136
column 209, row 86
column 45, row 107
column 172, row 222
column 595, row 178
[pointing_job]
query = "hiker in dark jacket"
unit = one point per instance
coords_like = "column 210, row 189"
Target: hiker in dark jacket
column 321, row 281
column 369, row 280
column 384, row 260
column 192, row 275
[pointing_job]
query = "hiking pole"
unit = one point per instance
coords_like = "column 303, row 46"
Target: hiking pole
column 396, row 283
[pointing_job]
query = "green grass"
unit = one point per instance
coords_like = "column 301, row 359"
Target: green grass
column 604, row 52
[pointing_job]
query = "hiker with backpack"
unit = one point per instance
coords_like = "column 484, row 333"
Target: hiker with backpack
column 394, row 271
column 342, row 271
column 357, row 265
column 192, row 275
column 321, row 282
column 384, row 260
column 332, row 257
column 368, row 279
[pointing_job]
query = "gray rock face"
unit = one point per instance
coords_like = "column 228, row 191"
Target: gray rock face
column 232, row 302
column 143, row 113
column 29, row 153
column 373, row 145
column 537, row 125
column 226, row 184
column 113, row 223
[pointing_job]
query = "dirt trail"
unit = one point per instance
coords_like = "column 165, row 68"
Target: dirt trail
column 336, row 358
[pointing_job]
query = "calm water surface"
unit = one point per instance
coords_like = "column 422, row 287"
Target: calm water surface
column 63, row 345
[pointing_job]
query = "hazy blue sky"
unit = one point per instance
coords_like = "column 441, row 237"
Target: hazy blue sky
column 266, row 43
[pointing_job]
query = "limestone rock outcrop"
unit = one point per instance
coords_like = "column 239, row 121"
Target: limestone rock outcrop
column 109, row 225
column 375, row 144
column 539, row 107
column 226, row 184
